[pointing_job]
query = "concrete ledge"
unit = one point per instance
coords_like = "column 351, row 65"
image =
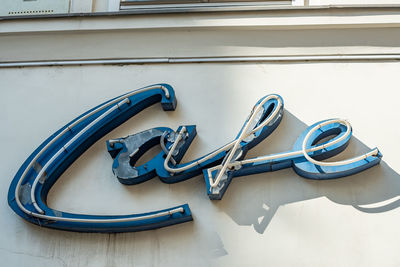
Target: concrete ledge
column 271, row 17
column 188, row 60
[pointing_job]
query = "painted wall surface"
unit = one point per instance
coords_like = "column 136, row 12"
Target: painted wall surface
column 270, row 219
column 186, row 43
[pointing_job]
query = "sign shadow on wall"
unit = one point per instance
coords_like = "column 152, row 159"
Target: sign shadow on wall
column 254, row 200
column 249, row 201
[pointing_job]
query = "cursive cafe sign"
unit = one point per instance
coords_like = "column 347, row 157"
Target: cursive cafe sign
column 29, row 189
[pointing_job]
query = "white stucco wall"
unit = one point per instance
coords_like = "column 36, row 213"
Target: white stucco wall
column 269, row 219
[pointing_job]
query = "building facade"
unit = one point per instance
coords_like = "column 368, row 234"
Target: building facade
column 327, row 59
